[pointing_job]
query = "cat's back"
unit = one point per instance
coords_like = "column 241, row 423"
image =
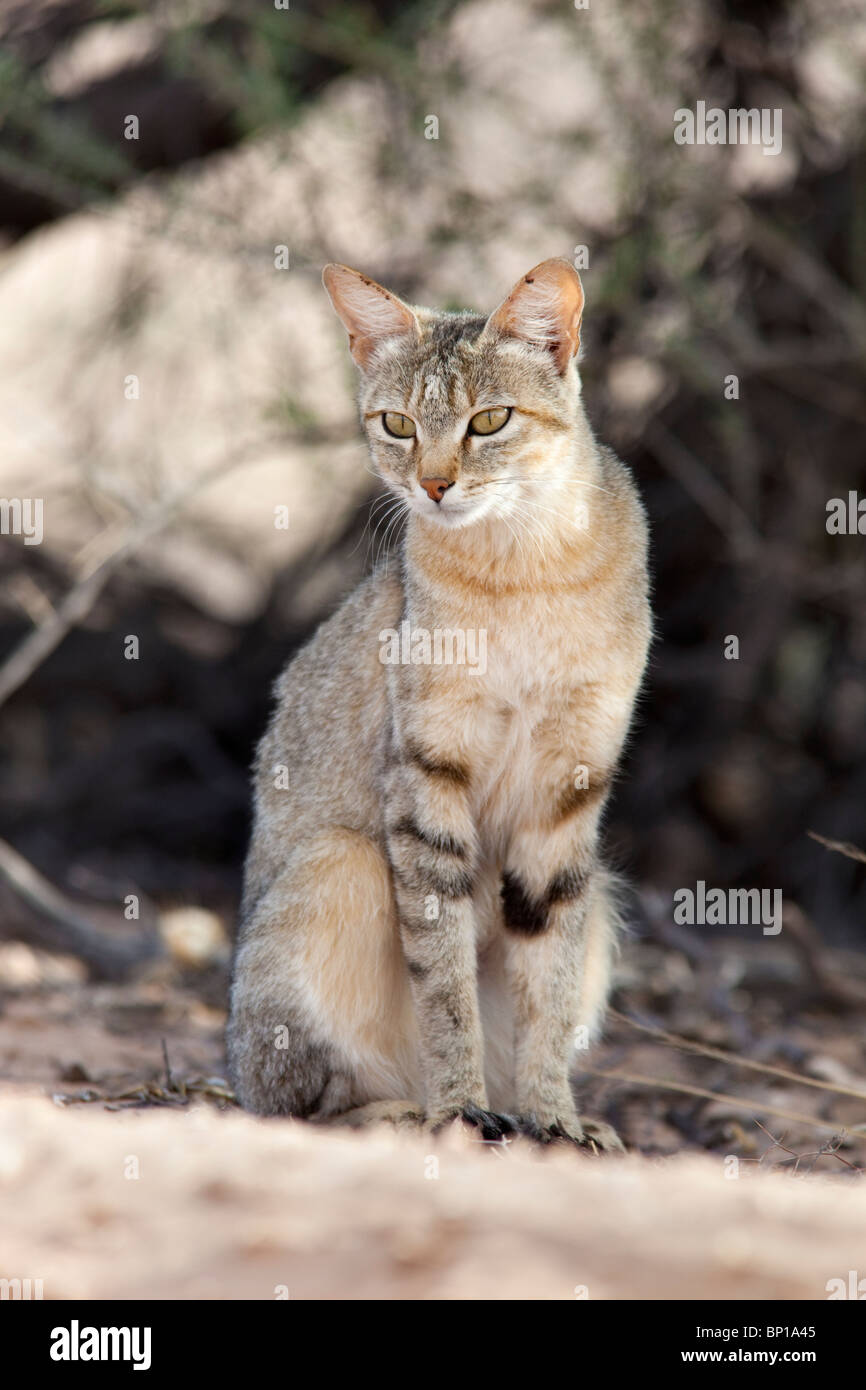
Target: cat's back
column 339, row 669
column 627, row 538
column 318, row 760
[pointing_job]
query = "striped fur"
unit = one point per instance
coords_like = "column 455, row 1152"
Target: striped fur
column 425, row 918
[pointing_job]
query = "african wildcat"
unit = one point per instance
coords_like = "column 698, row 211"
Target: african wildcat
column 425, row 919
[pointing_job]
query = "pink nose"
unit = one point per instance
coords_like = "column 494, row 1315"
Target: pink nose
column 435, row 488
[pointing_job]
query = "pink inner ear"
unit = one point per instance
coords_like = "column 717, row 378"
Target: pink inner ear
column 545, row 308
column 369, row 313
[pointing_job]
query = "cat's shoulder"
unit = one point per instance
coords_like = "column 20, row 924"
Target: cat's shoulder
column 619, row 482
column 376, row 602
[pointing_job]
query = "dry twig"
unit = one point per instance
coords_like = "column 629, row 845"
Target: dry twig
column 734, row 1059
column 760, row 1107
column 840, row 846
column 38, row 645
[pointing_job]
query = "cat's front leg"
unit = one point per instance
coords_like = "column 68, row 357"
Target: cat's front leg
column 433, row 851
column 560, row 925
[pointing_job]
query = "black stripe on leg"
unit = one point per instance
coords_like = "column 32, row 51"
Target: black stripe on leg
column 568, row 884
column 455, row 773
column 433, row 839
column 452, row 884
column 522, row 913
column 525, row 913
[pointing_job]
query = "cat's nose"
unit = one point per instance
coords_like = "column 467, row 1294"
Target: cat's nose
column 435, row 488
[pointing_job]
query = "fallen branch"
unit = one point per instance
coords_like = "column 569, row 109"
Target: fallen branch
column 830, row 1149
column 107, row 955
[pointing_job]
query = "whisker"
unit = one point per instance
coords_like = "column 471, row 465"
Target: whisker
column 516, row 537
column 397, row 516
column 541, row 506
column 381, row 530
column 583, row 483
column 369, row 529
column 530, row 531
column 380, row 502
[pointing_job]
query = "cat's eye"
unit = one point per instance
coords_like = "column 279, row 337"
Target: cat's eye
column 490, row 421
column 398, row 425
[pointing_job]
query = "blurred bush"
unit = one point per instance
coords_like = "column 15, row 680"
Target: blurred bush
column 306, row 128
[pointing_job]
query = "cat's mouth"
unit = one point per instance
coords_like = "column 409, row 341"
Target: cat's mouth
column 450, row 515
column 454, row 510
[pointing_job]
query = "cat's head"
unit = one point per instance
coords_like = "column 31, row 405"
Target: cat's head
column 466, row 415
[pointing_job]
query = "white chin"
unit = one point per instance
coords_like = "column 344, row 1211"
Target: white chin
column 452, row 519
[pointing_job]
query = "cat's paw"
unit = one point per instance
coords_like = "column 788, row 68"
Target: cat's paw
column 601, row 1136
column 594, row 1136
column 545, row 1127
column 490, row 1124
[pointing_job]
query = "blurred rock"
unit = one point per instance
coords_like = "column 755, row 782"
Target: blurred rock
column 194, row 936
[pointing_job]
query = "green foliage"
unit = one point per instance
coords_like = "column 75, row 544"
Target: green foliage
column 254, row 65
column 60, row 153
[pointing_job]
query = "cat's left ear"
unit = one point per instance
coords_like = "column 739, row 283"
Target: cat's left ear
column 369, row 312
column 544, row 309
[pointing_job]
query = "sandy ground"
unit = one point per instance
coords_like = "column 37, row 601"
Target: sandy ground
column 117, row 1181
column 201, row 1204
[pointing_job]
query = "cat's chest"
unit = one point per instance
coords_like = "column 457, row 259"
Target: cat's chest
column 535, row 650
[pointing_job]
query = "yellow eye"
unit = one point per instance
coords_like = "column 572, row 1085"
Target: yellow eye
column 397, row 424
column 489, row 421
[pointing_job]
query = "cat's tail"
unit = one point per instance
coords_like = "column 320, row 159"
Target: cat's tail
column 401, row 1114
column 604, row 928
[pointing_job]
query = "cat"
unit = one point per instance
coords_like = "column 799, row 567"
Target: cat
column 426, row 928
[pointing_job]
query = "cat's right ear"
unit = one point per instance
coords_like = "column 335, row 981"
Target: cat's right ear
column 370, row 314
column 544, row 309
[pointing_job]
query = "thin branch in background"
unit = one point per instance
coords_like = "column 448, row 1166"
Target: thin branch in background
column 752, row 1107
column 107, row 954
column 814, row 279
column 717, row 504
column 24, row 590
column 79, row 601
column 733, row 1059
column 839, row 846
